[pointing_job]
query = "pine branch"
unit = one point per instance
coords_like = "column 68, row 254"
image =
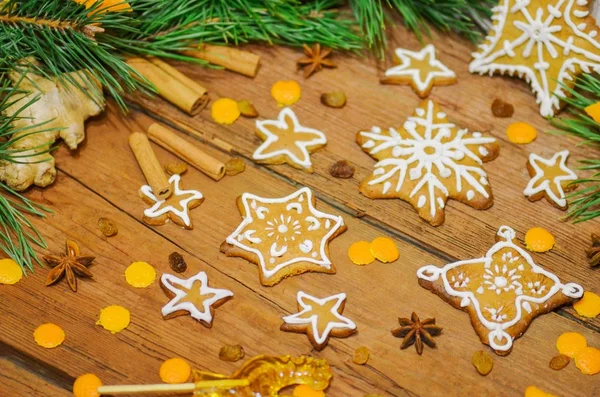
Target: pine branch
column 18, row 236
column 584, row 204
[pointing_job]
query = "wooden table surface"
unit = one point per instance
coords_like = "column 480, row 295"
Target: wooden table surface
column 102, row 178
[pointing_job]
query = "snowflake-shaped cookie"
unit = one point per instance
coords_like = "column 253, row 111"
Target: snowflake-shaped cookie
column 427, row 161
column 550, row 178
column 502, row 291
column 546, row 42
column 284, row 236
column 286, row 141
column 420, row 69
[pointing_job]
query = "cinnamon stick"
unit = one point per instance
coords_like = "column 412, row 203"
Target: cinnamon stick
column 171, row 84
column 230, row 58
column 146, row 158
column 193, row 155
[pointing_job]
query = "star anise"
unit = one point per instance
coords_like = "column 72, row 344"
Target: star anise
column 72, row 265
column 593, row 253
column 315, row 59
column 414, row 331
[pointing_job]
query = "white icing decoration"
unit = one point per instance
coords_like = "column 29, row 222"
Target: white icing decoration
column 418, row 163
column 306, row 246
column 470, row 195
column 405, row 68
column 539, row 182
column 171, row 282
column 158, row 210
column 422, row 201
column 306, row 303
column 294, row 206
column 295, row 223
column 265, row 151
column 539, row 35
column 503, row 280
column 277, row 252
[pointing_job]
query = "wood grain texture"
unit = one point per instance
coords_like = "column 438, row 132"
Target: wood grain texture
column 102, row 179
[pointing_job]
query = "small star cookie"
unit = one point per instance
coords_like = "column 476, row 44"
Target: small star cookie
column 175, row 208
column 287, row 142
column 421, row 70
column 502, row 291
column 192, row 296
column 550, row 178
column 547, row 42
column 320, row 319
column 428, row 161
column 284, row 236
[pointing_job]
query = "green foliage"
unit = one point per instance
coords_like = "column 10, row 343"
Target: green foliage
column 584, row 204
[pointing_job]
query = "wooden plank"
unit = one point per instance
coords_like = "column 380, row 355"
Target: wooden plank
column 377, row 293
column 18, row 381
column 466, row 231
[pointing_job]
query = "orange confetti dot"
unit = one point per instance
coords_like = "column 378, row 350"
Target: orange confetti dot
column 594, row 111
column 114, row 318
column 521, row 133
column 175, row 370
column 49, row 335
column 286, row 92
column 588, row 360
column 384, row 249
column 538, row 239
column 10, row 272
column 225, row 111
column 570, row 343
column 87, row 386
column 533, row 391
column 108, row 5
column 360, row 253
column 588, row 306
column 307, row 391
column 140, row 275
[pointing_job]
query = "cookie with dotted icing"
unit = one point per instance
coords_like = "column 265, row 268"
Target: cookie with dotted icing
column 502, row 291
column 419, row 69
column 548, row 43
column 284, row 236
column 550, row 178
column 428, row 161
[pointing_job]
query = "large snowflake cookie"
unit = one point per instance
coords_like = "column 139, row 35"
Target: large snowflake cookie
column 319, row 319
column 284, row 236
column 427, row 161
column 192, row 296
column 502, row 291
column 286, row 141
column 547, row 42
column 421, row 70
column 550, row 178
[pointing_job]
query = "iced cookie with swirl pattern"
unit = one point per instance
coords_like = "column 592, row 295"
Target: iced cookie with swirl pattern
column 428, row 161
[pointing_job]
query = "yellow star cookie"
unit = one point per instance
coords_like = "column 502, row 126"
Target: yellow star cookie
column 284, row 236
column 547, row 42
column 428, row 161
column 419, row 69
column 550, row 178
column 502, row 291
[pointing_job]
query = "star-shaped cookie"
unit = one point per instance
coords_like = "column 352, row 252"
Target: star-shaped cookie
column 287, row 142
column 283, row 236
column 421, row 70
column 428, row 161
column 192, row 296
column 176, row 207
column 550, row 178
column 547, row 42
column 502, row 291
column 320, row 319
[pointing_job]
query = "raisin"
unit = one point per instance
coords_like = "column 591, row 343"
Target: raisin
column 336, row 99
column 483, row 362
column 342, row 169
column 502, row 109
column 231, row 353
column 247, row 109
column 234, row 166
column 108, row 227
column 559, row 362
column 177, row 262
column 361, row 356
column 176, row 168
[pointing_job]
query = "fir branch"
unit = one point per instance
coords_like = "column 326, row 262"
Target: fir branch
column 584, row 204
column 18, row 236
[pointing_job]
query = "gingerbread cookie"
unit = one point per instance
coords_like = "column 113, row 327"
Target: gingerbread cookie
column 428, row 161
column 547, row 42
column 502, row 291
column 192, row 296
column 550, row 178
column 287, row 142
column 421, row 70
column 175, row 208
column 320, row 319
column 284, row 236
